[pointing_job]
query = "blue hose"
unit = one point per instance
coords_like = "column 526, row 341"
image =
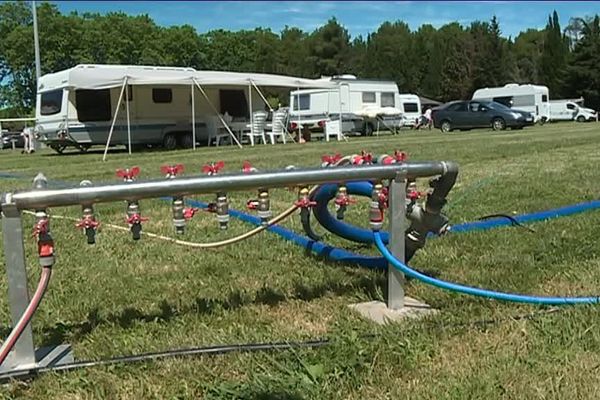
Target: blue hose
column 490, row 294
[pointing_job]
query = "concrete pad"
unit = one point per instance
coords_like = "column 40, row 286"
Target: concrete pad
column 378, row 312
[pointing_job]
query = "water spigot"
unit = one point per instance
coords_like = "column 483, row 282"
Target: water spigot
column 213, row 168
column 342, row 201
column 45, row 243
column 247, row 168
column 376, row 207
column 304, row 201
column 362, row 159
column 171, row 171
column 134, row 219
column 396, row 158
column 88, row 224
column 329, row 160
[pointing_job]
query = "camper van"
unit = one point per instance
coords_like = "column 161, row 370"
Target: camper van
column 571, row 110
column 362, row 103
column 531, row 98
column 78, row 106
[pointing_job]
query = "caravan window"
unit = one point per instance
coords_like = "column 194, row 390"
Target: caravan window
column 506, row 100
column 162, row 95
column 526, row 100
column 93, row 105
column 233, row 102
column 368, row 97
column 410, row 107
column 544, row 98
column 387, row 99
column 51, row 102
column 304, row 100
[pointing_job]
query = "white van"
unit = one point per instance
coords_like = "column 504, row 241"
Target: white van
column 571, row 110
column 360, row 101
column 531, row 98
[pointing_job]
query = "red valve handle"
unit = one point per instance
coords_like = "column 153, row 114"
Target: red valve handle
column 172, row 170
column 128, row 173
column 362, row 158
column 383, row 199
column 400, row 156
column 213, row 168
column 331, row 159
column 40, row 228
column 344, row 201
column 87, row 222
column 46, row 248
column 252, row 204
column 414, row 195
column 136, row 219
column 305, row 203
column 247, row 168
column 188, row 213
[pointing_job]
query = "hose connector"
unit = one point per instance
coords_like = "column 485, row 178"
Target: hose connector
column 264, row 206
column 177, row 206
column 88, row 223
column 222, row 210
column 376, row 207
column 45, row 243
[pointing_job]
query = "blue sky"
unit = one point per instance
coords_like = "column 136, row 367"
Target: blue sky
column 359, row 17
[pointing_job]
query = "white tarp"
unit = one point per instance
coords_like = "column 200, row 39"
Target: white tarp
column 111, row 76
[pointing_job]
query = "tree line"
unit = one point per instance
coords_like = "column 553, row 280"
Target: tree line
column 446, row 63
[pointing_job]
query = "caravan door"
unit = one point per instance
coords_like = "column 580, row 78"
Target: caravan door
column 345, row 106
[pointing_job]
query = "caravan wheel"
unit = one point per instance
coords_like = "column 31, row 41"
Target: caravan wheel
column 170, row 141
column 186, row 140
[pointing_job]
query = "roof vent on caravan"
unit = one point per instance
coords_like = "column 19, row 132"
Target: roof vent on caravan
column 511, row 85
column 345, row 76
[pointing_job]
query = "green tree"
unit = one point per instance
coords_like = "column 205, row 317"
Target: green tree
column 328, row 49
column 527, row 51
column 584, row 70
column 553, row 61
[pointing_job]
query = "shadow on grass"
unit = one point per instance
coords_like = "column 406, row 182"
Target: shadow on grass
column 370, row 286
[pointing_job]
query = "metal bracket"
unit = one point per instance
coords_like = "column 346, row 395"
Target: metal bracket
column 23, row 357
column 398, row 224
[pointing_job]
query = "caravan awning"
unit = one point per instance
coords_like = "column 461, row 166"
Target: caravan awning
column 110, row 76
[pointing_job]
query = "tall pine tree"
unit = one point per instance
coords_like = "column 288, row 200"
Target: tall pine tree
column 553, row 62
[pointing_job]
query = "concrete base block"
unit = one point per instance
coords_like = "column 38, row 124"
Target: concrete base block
column 378, row 312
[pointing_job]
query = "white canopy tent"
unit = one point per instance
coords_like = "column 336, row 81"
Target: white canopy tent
column 114, row 76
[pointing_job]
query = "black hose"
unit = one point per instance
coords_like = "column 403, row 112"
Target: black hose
column 512, row 220
column 305, row 220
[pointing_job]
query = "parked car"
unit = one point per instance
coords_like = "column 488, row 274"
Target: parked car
column 7, row 138
column 479, row 114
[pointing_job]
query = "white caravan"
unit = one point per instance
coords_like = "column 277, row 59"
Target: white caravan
column 571, row 110
column 362, row 103
column 531, row 98
column 77, row 107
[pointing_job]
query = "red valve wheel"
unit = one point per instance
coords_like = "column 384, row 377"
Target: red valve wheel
column 172, row 170
column 87, row 222
column 331, row 159
column 213, row 168
column 188, row 213
column 128, row 173
column 136, row 219
column 305, row 203
column 247, row 168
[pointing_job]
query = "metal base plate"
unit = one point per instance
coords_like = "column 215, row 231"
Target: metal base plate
column 47, row 357
column 378, row 312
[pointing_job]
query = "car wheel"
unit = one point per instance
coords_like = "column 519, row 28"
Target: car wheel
column 581, row 118
column 445, row 127
column 186, row 140
column 498, row 124
column 169, row 141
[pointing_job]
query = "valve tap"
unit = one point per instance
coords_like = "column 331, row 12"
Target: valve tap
column 397, row 158
column 213, row 168
column 342, row 200
column 88, row 223
column 377, row 206
column 304, row 202
column 362, row 159
column 134, row 218
column 329, row 160
column 247, row 168
column 177, row 205
column 41, row 232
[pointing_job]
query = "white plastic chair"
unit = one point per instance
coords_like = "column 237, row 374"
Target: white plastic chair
column 257, row 127
column 333, row 128
column 279, row 127
column 216, row 131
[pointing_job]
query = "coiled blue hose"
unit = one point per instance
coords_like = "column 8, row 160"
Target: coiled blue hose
column 473, row 291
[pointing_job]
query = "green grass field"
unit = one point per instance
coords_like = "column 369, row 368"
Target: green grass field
column 122, row 297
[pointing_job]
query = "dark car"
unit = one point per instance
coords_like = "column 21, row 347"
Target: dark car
column 8, row 138
column 479, row 114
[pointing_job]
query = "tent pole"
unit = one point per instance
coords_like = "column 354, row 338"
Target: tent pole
column 250, row 111
column 112, row 126
column 193, row 120
column 218, row 115
column 300, row 137
column 270, row 108
column 128, row 122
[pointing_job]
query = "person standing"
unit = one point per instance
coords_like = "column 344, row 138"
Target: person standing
column 28, row 138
